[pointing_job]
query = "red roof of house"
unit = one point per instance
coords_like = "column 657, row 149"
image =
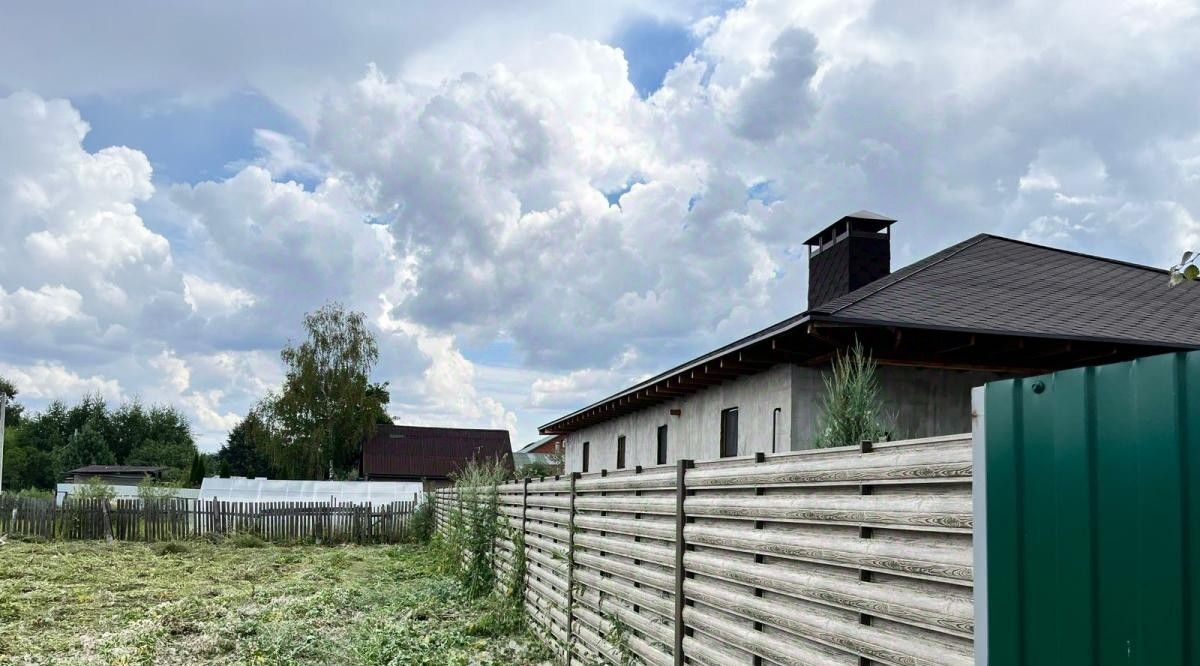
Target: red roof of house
column 418, row 452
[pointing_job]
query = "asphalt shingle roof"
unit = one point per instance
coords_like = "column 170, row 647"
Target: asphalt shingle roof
column 995, row 284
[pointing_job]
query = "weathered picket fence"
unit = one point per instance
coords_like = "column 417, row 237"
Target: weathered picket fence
column 168, row 519
column 837, row 556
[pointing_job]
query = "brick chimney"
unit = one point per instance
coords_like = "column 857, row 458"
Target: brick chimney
column 848, row 254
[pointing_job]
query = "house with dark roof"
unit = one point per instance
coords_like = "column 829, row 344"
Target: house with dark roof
column 984, row 309
column 545, row 450
column 115, row 475
column 414, row 453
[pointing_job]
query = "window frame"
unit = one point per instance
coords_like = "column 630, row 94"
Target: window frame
column 586, row 450
column 620, row 451
column 661, row 443
column 725, row 435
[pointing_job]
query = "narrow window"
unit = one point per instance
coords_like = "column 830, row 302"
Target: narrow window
column 775, row 428
column 586, row 446
column 662, row 444
column 729, row 432
column 621, row 452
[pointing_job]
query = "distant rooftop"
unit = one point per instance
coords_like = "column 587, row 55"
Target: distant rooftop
column 416, row 452
column 117, row 469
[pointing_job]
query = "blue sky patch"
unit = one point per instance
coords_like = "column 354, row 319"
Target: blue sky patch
column 185, row 142
column 652, row 48
column 763, row 191
column 501, row 352
column 614, row 196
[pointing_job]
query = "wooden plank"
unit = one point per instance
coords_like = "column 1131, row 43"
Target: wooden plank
column 933, row 562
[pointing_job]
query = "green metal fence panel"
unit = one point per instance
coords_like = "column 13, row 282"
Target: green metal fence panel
column 1093, row 515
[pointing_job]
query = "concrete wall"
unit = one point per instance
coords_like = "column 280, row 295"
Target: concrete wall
column 921, row 402
column 696, row 432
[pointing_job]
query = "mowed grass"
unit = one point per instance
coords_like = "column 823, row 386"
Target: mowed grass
column 128, row 603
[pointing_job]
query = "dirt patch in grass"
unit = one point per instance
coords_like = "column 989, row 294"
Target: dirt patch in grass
column 96, row 603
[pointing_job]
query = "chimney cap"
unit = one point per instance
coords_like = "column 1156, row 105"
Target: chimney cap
column 863, row 220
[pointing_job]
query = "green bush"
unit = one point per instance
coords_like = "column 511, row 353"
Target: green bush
column 94, row 489
column 851, row 411
column 421, row 524
column 474, row 526
column 150, row 490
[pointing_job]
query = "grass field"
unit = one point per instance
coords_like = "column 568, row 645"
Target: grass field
column 95, row 603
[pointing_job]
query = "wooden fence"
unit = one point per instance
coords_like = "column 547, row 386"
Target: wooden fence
column 837, row 556
column 168, row 519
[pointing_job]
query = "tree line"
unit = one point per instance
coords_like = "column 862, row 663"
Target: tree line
column 40, row 448
column 312, row 427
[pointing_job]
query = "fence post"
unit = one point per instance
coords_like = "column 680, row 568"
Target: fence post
column 681, row 468
column 108, row 535
column 571, row 570
column 524, row 520
column 864, row 532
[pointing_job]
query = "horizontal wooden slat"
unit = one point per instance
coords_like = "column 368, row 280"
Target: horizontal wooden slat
column 777, row 648
column 659, row 478
column 950, row 613
column 950, row 462
column 914, row 512
column 661, row 530
column 933, row 562
column 658, row 505
column 648, row 600
column 878, row 644
column 641, row 551
column 645, row 575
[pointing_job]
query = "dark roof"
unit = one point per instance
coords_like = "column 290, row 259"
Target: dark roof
column 414, row 451
column 117, row 469
column 986, row 284
column 994, row 284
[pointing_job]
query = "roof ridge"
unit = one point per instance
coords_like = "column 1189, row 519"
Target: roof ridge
column 930, row 261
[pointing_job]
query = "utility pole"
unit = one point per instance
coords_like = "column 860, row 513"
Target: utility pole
column 3, row 408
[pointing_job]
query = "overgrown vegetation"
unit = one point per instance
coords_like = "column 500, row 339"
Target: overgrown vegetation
column 474, row 526
column 852, row 410
column 421, row 525
column 95, row 489
column 537, row 469
column 150, row 490
column 195, row 602
column 467, row 548
column 618, row 638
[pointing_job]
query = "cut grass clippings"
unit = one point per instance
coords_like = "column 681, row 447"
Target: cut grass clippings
column 197, row 602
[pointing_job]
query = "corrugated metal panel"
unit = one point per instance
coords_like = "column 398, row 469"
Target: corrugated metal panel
column 1093, row 498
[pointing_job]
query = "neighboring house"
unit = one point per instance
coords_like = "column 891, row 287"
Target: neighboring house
column 986, row 308
column 546, row 450
column 412, row 453
column 115, row 475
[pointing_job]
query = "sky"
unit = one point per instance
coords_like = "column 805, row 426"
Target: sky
column 538, row 203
